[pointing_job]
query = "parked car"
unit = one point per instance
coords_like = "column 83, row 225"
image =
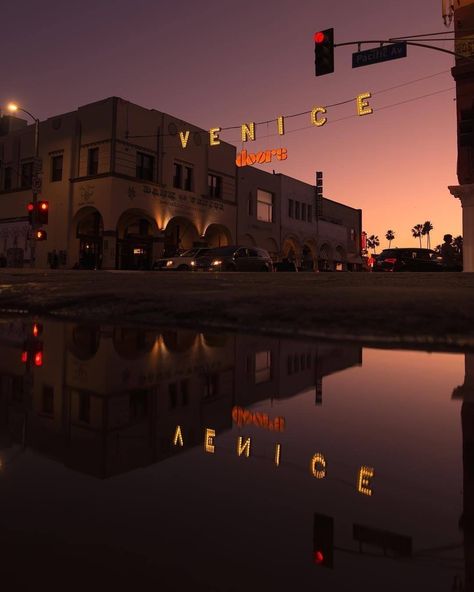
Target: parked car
column 408, row 260
column 183, row 262
column 235, row 258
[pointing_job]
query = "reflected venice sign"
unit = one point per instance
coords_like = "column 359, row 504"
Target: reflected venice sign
column 317, row 465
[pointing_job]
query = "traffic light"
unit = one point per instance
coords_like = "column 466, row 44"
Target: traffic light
column 43, row 209
column 41, row 235
column 323, row 541
column 30, row 207
column 324, row 52
column 32, row 352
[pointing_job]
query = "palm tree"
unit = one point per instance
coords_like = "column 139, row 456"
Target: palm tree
column 416, row 231
column 427, row 228
column 373, row 242
column 390, row 236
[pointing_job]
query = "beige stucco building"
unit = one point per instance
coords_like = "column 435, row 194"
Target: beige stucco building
column 283, row 215
column 126, row 185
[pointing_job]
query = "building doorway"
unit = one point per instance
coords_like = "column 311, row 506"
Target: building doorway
column 90, row 229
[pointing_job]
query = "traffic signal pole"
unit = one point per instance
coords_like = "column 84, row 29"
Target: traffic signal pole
column 34, row 216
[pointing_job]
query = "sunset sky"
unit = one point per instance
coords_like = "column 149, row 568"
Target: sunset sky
column 221, row 63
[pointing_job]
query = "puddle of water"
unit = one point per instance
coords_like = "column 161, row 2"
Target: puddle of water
column 205, row 461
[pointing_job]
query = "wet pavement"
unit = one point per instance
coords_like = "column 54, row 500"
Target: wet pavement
column 434, row 310
column 201, row 460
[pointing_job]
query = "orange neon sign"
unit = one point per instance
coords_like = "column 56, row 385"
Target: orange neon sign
column 260, row 420
column 245, row 158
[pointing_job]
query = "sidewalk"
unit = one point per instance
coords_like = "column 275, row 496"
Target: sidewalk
column 430, row 310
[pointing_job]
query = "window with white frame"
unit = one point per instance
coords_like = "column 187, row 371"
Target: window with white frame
column 264, row 206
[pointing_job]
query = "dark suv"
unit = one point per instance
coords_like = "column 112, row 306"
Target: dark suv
column 235, row 258
column 408, row 260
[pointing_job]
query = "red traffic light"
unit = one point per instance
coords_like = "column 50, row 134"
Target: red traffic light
column 24, row 357
column 30, row 207
column 38, row 359
column 318, row 557
column 319, row 37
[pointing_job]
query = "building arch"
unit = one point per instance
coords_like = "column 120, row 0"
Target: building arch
column 340, row 258
column 83, row 340
column 136, row 232
column 88, row 229
column 179, row 341
column 217, row 235
column 270, row 245
column 309, row 256
column 180, row 234
column 325, row 258
column 291, row 249
column 131, row 343
column 248, row 241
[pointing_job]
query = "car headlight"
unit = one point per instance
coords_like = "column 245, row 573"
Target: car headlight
column 216, row 262
column 169, row 263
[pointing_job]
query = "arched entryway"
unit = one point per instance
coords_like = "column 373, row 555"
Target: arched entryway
column 308, row 257
column 270, row 245
column 135, row 233
column 325, row 262
column 340, row 259
column 291, row 249
column 217, row 235
column 248, row 241
column 89, row 231
column 180, row 235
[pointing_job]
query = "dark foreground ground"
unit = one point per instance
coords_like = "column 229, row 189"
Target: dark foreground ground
column 432, row 310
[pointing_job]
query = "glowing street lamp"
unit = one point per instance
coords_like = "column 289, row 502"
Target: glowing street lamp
column 14, row 108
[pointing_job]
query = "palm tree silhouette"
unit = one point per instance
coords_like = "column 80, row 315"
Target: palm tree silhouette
column 416, row 231
column 373, row 242
column 458, row 243
column 390, row 236
column 427, row 228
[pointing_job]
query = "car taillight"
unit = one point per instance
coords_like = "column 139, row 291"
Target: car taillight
column 390, row 260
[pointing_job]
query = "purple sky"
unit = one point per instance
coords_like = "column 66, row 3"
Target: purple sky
column 221, row 63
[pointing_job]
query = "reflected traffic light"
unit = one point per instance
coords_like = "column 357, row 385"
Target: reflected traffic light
column 323, row 541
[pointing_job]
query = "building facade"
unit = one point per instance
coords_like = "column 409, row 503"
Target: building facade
column 127, row 185
column 283, row 215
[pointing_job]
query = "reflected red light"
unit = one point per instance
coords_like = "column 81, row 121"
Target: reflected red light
column 30, row 207
column 38, row 358
column 35, row 330
column 24, row 357
column 44, row 205
column 319, row 37
column 318, row 557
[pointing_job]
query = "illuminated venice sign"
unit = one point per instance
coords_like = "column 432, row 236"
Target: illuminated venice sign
column 318, row 466
column 248, row 132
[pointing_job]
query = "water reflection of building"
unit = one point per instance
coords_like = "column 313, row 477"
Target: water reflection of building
column 106, row 400
column 466, row 393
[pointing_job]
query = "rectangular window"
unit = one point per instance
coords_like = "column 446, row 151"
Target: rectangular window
column 215, row 185
column 7, row 179
column 188, row 179
column 303, row 211
column 249, row 205
column 263, row 366
column 177, row 175
column 310, row 214
column 57, row 168
column 26, row 174
column 291, row 208
column 264, row 206
column 93, row 161
column 297, row 210
column 145, row 165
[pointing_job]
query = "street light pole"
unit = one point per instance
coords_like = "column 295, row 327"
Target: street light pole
column 34, row 214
